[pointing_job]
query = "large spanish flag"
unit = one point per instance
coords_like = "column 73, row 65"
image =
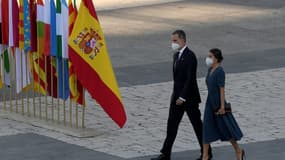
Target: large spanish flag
column 92, row 63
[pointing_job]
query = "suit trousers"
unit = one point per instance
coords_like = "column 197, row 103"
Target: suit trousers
column 175, row 116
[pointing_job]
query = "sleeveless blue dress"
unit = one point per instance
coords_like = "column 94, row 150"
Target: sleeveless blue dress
column 218, row 127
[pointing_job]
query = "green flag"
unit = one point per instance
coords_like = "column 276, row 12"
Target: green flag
column 6, row 61
column 6, row 67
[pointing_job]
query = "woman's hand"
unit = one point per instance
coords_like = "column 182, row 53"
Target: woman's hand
column 221, row 111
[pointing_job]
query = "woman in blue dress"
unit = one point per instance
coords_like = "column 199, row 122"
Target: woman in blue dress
column 218, row 124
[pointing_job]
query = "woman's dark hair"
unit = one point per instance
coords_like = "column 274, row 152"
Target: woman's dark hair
column 217, row 54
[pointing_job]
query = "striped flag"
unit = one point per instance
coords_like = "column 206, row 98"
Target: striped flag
column 59, row 28
column 62, row 44
column 40, row 26
column 90, row 57
column 76, row 88
column 50, row 27
column 62, row 32
column 72, row 11
column 13, row 24
column 39, row 75
column 22, row 77
column 47, row 30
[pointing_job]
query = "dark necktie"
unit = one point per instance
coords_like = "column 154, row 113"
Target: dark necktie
column 176, row 59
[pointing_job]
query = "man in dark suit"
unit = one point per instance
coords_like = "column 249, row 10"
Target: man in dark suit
column 185, row 96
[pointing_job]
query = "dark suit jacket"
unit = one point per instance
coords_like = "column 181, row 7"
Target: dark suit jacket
column 185, row 79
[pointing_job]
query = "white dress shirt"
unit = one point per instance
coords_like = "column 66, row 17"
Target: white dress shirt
column 179, row 55
column 181, row 51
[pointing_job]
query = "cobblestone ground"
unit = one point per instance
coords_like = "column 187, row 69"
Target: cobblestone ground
column 257, row 99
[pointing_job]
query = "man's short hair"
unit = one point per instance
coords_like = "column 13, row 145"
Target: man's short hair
column 181, row 34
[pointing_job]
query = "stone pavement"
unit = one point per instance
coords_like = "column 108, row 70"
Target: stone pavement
column 251, row 34
column 257, row 97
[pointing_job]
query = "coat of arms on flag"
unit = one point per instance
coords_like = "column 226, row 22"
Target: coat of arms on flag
column 89, row 41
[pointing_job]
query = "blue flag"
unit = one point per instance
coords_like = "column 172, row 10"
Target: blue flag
column 27, row 26
column 53, row 39
column 62, row 72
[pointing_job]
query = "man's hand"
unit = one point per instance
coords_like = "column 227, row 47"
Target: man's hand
column 179, row 102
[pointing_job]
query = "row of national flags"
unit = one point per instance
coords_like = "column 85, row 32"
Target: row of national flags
column 62, row 48
column 29, row 35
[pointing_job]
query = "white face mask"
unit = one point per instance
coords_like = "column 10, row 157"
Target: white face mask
column 209, row 61
column 175, row 46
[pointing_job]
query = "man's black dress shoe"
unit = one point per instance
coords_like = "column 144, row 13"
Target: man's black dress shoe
column 161, row 157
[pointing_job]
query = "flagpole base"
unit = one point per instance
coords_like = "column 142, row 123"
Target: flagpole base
column 60, row 128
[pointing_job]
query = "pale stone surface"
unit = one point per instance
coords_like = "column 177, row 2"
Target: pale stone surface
column 115, row 4
column 257, row 99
